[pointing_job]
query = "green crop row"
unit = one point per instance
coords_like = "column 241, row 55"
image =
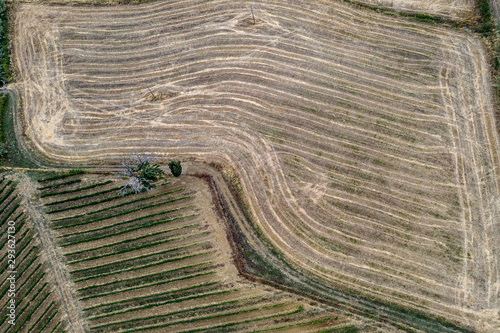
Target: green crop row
column 213, row 317
column 76, row 189
column 18, row 240
column 112, row 207
column 136, row 300
column 18, row 252
column 59, row 323
column 6, row 206
column 142, row 267
column 86, row 204
column 5, row 185
column 194, row 309
column 41, row 316
column 80, row 197
column 106, row 217
column 155, row 276
column 4, row 291
column 48, row 320
column 147, row 285
column 62, row 176
column 171, row 301
column 9, row 213
column 124, row 231
column 20, row 287
column 129, row 240
column 294, row 325
column 31, row 279
column 32, row 297
column 125, row 212
column 137, row 247
column 9, row 192
column 299, row 309
column 73, row 181
column 31, row 312
column 114, row 264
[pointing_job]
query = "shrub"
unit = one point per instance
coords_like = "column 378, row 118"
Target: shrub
column 175, row 168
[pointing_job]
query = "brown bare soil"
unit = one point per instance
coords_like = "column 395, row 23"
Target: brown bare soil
column 365, row 145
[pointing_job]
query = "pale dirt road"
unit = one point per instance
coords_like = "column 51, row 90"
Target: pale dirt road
column 58, row 271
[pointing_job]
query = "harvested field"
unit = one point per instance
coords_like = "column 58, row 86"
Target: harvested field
column 168, row 269
column 365, row 144
column 37, row 306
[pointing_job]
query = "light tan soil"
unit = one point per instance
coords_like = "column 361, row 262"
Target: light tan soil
column 365, row 144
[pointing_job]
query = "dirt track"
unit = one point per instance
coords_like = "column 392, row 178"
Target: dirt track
column 53, row 258
column 372, row 165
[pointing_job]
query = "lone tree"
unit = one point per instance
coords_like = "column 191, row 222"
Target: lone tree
column 142, row 172
column 175, row 168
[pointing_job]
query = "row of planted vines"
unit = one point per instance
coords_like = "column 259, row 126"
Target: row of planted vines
column 156, row 262
column 37, row 308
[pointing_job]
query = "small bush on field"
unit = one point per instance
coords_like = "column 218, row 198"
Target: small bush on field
column 175, row 168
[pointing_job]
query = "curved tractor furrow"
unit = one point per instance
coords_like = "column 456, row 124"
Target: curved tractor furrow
column 364, row 145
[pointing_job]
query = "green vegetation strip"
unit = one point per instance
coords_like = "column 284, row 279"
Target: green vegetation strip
column 81, row 197
column 41, row 316
column 76, row 189
column 294, row 325
column 59, row 323
column 5, row 71
column 149, row 255
column 129, row 240
column 31, row 312
column 140, row 226
column 172, row 301
column 6, row 195
column 48, row 320
column 73, row 181
column 118, row 223
column 9, row 213
column 144, row 276
column 219, row 316
column 143, row 266
column 141, row 298
column 137, row 247
column 148, row 285
column 57, row 177
column 4, row 290
column 176, row 312
column 112, row 207
column 91, row 203
column 92, row 220
column 14, row 197
column 5, row 185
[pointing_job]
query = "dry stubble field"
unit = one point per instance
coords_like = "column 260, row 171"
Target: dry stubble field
column 365, row 144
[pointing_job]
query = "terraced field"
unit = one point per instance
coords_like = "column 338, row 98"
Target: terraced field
column 365, row 144
column 37, row 306
column 160, row 262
